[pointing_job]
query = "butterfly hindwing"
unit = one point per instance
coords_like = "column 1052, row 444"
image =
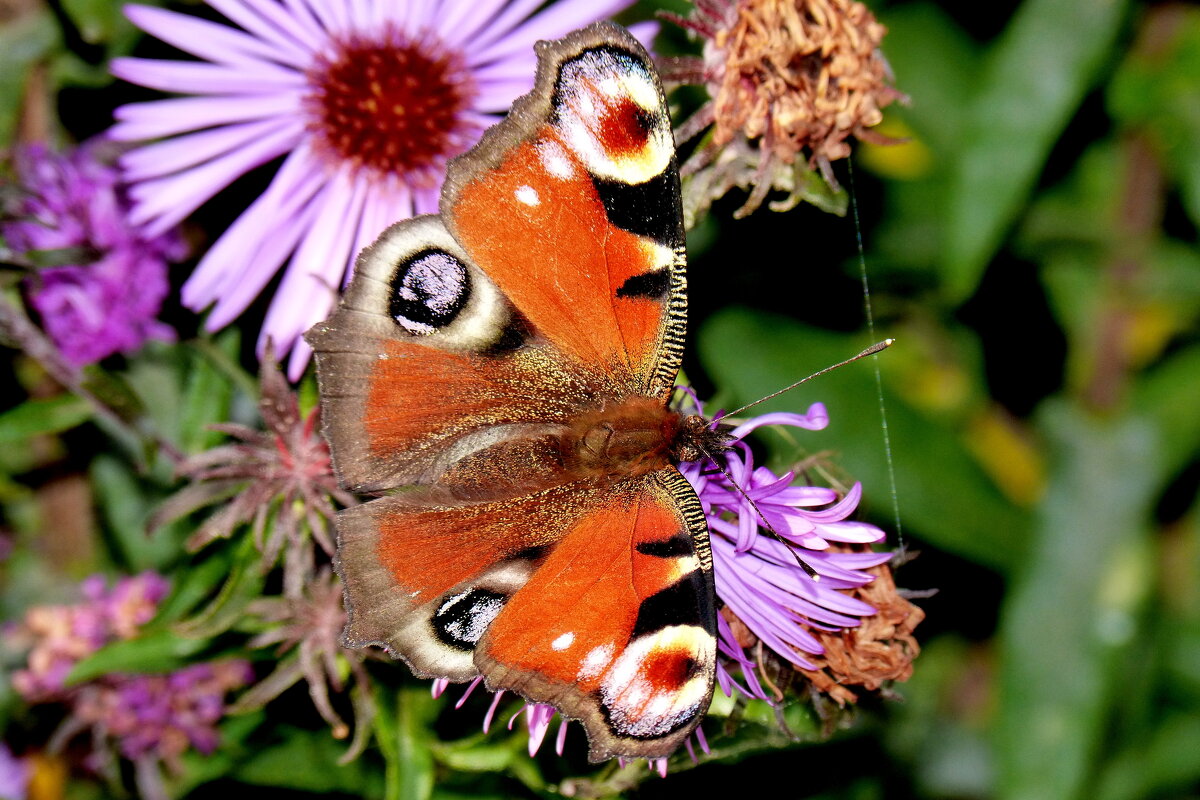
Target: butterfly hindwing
column 597, row 601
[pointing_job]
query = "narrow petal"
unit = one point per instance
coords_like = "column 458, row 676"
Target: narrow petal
column 310, row 283
column 298, row 180
column 551, row 23
column 263, row 255
column 183, row 152
column 267, row 22
column 481, row 29
column 159, row 118
column 208, row 40
column 816, row 419
column 164, row 202
column 191, row 77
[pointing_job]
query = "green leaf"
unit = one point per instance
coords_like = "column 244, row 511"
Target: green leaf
column 156, row 652
column 244, row 584
column 1034, row 78
column 1075, row 608
column 944, row 495
column 308, row 761
column 1163, row 765
column 200, row 768
column 51, row 415
column 23, row 41
column 476, row 754
column 936, row 64
column 197, row 582
column 124, row 507
column 207, row 395
column 403, row 730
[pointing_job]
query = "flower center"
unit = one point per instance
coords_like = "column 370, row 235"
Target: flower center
column 393, row 104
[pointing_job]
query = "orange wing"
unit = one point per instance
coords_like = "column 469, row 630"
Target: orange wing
column 573, row 206
column 597, row 601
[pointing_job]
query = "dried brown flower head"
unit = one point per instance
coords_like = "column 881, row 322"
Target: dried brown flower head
column 793, row 78
column 879, row 650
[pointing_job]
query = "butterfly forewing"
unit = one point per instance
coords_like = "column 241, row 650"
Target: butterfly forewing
column 581, row 181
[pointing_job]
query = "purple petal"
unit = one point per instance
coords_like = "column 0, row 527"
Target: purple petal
column 268, row 22
column 551, row 23
column 816, row 418
column 479, row 29
column 163, row 202
column 181, row 152
column 158, row 118
column 227, row 263
column 310, row 284
column 210, row 40
column 183, row 77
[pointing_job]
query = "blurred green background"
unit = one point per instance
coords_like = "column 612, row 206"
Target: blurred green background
column 1032, row 246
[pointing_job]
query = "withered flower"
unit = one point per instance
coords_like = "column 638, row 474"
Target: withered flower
column 790, row 82
column 879, row 650
column 308, row 630
column 280, row 480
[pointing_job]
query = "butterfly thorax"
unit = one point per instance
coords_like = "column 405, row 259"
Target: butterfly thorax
column 635, row 437
column 619, row 440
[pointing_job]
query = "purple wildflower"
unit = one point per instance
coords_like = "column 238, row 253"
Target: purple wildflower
column 108, row 304
column 149, row 719
column 758, row 580
column 61, row 636
column 757, row 577
column 14, row 775
column 365, row 102
column 160, row 717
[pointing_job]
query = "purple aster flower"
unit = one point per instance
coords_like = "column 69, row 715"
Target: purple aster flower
column 365, row 101
column 766, row 595
column 14, row 775
column 109, row 303
column 757, row 576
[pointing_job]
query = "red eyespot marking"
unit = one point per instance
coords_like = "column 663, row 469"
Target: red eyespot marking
column 669, row 668
column 624, row 127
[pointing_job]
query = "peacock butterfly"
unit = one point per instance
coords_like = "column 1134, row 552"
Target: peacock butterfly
column 502, row 373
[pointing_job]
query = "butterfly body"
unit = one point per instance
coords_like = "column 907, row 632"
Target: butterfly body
column 503, row 371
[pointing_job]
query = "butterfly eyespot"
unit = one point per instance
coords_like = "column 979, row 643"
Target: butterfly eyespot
column 462, row 618
column 419, row 277
column 608, row 108
column 429, row 291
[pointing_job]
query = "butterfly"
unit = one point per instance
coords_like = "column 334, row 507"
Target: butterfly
column 501, row 374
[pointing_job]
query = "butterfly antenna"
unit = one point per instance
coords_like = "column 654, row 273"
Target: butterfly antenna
column 791, row 546
column 870, row 351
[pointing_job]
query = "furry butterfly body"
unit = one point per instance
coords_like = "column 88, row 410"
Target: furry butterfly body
column 503, row 371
